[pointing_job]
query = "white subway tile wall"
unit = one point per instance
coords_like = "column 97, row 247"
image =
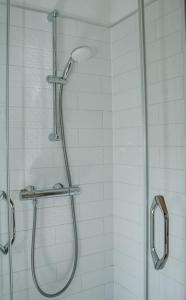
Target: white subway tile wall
column 35, row 160
column 104, row 130
column 166, row 104
column 166, row 107
column 128, row 162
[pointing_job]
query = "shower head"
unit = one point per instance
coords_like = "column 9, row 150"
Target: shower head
column 77, row 55
column 81, row 53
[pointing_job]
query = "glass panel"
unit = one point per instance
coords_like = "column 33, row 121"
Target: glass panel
column 38, row 161
column 103, row 125
column 110, row 232
column 165, row 42
column 128, row 157
column 4, row 259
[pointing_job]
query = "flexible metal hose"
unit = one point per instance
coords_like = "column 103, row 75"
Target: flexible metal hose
column 63, row 140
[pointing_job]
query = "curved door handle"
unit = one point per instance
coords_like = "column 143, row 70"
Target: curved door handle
column 4, row 248
column 159, row 201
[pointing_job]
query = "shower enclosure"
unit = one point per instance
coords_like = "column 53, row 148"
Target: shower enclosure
column 92, row 167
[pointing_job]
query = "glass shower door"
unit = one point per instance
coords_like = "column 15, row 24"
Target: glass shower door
column 165, row 51
column 4, row 203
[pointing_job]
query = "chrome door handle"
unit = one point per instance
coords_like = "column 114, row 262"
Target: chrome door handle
column 159, row 201
column 4, row 248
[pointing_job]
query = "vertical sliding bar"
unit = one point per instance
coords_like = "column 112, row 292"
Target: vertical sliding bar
column 54, row 46
column 52, row 17
column 145, row 130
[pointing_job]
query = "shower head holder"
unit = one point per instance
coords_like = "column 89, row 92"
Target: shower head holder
column 56, row 80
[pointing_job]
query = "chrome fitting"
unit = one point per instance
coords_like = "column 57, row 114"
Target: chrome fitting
column 30, row 192
column 55, row 79
column 52, row 15
column 53, row 137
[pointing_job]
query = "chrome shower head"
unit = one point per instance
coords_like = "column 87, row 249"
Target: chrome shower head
column 81, row 53
column 77, row 55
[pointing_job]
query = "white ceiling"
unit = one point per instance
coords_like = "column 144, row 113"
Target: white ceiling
column 99, row 11
column 121, row 8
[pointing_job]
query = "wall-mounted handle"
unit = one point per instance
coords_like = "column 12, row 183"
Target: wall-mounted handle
column 159, row 201
column 4, row 248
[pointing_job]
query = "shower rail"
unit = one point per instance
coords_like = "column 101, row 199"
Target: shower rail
column 30, row 193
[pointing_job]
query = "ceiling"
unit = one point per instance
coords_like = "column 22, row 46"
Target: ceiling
column 99, row 11
column 121, row 8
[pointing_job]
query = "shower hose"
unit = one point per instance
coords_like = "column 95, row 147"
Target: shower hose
column 68, row 174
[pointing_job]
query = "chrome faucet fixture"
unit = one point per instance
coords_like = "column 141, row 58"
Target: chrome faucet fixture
column 78, row 54
column 30, row 192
